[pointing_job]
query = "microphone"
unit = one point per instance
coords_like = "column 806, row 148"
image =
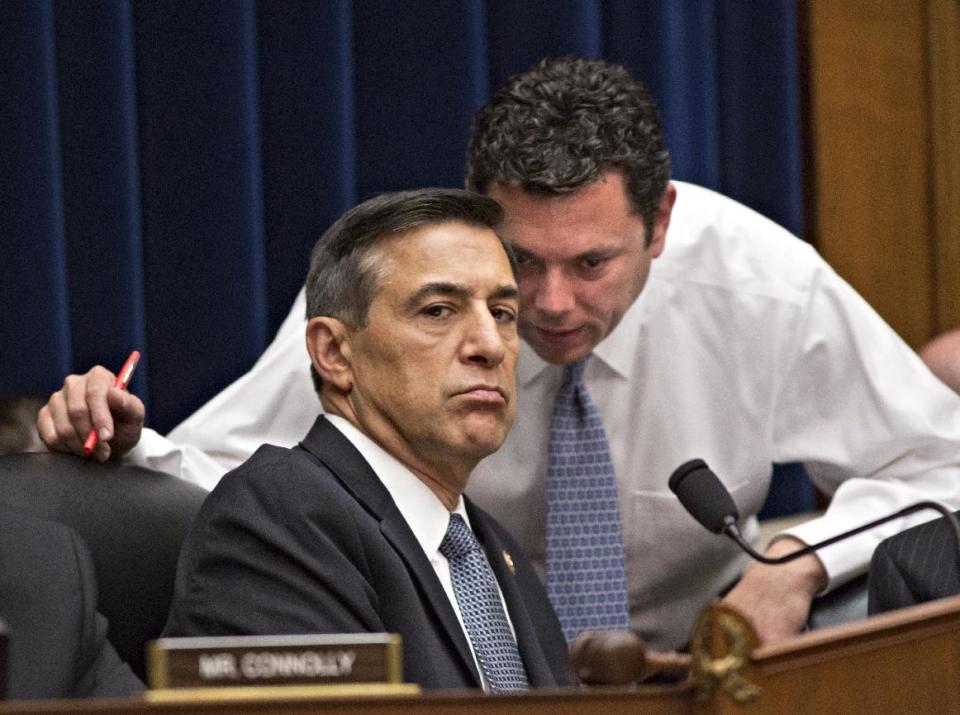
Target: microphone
column 706, row 499
column 704, row 496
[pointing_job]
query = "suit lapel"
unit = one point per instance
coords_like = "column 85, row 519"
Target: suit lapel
column 539, row 672
column 328, row 445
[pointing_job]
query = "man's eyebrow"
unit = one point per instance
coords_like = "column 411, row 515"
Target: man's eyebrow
column 506, row 291
column 602, row 251
column 437, row 288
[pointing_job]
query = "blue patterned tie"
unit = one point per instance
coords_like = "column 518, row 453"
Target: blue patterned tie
column 586, row 579
column 482, row 609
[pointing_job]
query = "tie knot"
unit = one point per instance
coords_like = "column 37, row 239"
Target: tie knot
column 459, row 539
column 573, row 373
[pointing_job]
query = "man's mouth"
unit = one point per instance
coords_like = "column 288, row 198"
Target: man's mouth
column 555, row 335
column 493, row 394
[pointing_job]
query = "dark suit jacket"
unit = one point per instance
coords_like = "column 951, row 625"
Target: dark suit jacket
column 308, row 540
column 917, row 565
column 48, row 596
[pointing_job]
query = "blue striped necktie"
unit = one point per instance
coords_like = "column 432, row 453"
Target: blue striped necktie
column 481, row 609
column 586, row 579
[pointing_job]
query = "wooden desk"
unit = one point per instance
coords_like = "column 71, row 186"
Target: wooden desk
column 668, row 700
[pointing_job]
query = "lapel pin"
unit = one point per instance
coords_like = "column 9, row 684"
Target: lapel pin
column 508, row 560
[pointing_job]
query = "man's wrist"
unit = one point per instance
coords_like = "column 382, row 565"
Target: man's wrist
column 808, row 570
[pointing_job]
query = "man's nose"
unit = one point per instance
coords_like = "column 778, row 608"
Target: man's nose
column 552, row 294
column 484, row 341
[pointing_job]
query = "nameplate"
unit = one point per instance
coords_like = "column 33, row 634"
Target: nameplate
column 275, row 660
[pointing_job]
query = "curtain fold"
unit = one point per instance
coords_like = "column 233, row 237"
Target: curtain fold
column 202, row 212
column 760, row 152
column 98, row 148
column 308, row 140
column 165, row 167
column 522, row 33
column 418, row 83
column 35, row 339
column 673, row 50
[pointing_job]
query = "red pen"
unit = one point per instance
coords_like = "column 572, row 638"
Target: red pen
column 123, row 379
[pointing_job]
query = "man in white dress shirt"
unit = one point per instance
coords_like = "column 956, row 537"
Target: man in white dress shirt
column 711, row 331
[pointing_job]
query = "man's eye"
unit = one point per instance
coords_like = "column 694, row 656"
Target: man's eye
column 503, row 315
column 437, row 311
column 593, row 261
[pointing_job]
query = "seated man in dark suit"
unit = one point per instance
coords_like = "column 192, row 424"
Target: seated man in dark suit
column 920, row 564
column 917, row 565
column 362, row 527
column 58, row 644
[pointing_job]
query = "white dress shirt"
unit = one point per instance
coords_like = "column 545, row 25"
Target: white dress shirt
column 745, row 348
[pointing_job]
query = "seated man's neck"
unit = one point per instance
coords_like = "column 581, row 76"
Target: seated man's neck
column 444, row 474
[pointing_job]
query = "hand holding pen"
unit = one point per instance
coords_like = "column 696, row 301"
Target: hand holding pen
column 93, row 414
column 121, row 383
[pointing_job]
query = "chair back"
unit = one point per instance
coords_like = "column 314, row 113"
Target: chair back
column 133, row 520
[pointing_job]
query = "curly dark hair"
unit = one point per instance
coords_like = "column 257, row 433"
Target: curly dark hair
column 563, row 122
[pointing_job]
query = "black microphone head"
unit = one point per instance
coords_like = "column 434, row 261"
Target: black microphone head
column 703, row 495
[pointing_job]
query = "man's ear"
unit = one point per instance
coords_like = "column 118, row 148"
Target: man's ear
column 328, row 342
column 662, row 221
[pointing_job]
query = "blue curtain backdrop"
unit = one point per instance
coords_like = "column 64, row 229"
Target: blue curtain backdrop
column 165, row 167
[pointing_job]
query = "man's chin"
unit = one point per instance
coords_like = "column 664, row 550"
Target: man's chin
column 558, row 347
column 559, row 355
column 483, row 440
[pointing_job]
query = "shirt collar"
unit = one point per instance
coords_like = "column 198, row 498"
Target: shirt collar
column 619, row 349
column 423, row 511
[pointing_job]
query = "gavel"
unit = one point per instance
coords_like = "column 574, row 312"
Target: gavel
column 621, row 658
